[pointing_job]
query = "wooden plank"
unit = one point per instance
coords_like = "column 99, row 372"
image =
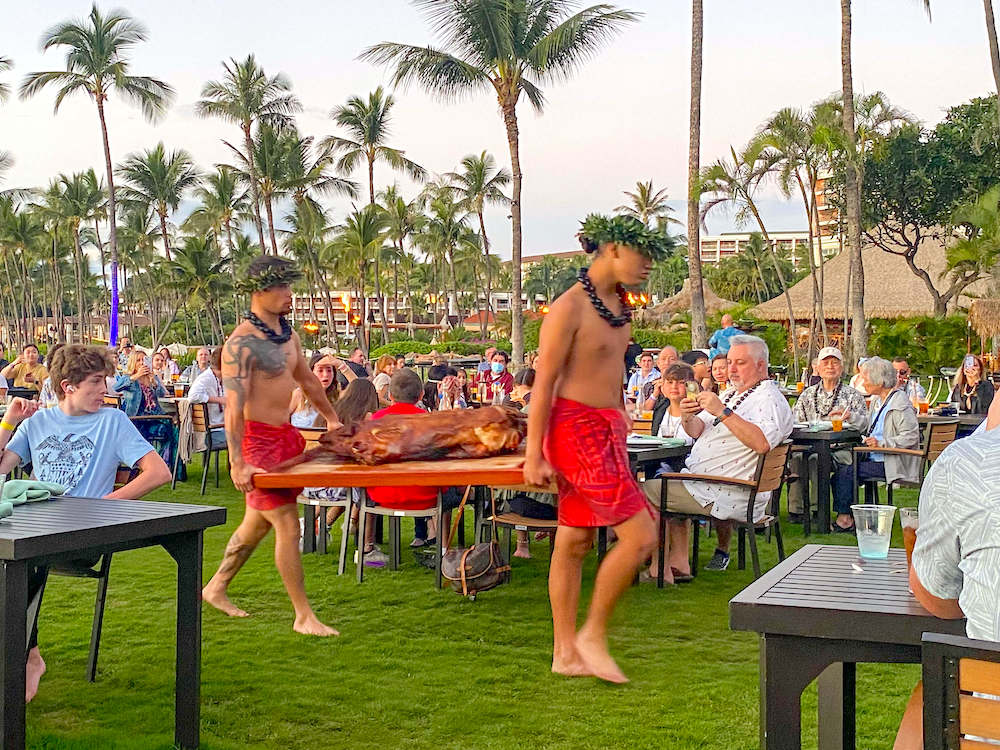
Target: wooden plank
column 966, row 744
column 977, row 676
column 979, row 717
column 498, row 471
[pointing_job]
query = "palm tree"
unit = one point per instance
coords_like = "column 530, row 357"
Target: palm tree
column 507, row 47
column 977, row 254
column 5, row 64
column 403, row 219
column 306, row 172
column 79, row 200
column 852, row 186
column 367, row 122
column 735, row 183
column 222, row 200
column 264, row 168
column 199, row 273
column 96, row 63
column 699, row 327
column 159, row 179
column 245, row 96
column 358, row 240
column 479, row 184
column 305, row 242
column 648, row 205
column 443, row 229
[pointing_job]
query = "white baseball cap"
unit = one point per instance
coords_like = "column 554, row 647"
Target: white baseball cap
column 830, row 351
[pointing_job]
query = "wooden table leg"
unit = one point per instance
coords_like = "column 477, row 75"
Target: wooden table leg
column 186, row 549
column 308, row 529
column 837, row 719
column 13, row 649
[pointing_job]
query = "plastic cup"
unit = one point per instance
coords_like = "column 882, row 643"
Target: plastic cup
column 873, row 525
column 923, row 405
column 179, row 391
column 910, row 521
column 647, row 415
column 800, row 386
column 838, row 423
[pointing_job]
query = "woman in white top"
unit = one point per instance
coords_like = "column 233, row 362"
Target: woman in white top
column 304, row 414
column 171, row 367
column 384, row 368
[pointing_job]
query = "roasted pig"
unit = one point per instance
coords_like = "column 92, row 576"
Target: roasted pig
column 461, row 433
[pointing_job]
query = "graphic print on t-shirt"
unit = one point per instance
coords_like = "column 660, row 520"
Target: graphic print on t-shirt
column 63, row 461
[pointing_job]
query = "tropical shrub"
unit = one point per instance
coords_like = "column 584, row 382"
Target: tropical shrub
column 396, row 348
column 927, row 343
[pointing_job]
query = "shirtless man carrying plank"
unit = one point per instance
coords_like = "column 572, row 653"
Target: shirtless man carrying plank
column 262, row 363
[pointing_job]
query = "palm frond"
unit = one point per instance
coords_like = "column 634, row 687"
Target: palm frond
column 442, row 74
column 565, row 48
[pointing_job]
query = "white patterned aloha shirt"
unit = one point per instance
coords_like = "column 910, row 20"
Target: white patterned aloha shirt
column 957, row 555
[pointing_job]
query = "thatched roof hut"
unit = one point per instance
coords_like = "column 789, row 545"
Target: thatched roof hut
column 892, row 290
column 984, row 315
column 681, row 302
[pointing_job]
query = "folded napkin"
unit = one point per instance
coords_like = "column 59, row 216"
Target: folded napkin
column 20, row 491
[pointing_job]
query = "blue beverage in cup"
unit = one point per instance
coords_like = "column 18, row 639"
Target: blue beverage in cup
column 873, row 526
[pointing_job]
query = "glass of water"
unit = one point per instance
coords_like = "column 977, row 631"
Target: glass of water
column 873, row 525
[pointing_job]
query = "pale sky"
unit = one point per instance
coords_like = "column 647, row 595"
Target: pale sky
column 622, row 118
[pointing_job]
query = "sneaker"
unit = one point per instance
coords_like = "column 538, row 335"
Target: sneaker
column 719, row 561
column 376, row 558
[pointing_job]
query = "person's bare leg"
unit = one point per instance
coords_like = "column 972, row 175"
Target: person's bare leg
column 911, row 728
column 252, row 529
column 636, row 540
column 724, row 533
column 333, row 514
column 572, row 545
column 654, row 566
column 523, row 551
column 34, row 669
column 679, row 532
column 288, row 560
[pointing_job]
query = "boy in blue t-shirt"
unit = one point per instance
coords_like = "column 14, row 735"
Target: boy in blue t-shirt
column 76, row 444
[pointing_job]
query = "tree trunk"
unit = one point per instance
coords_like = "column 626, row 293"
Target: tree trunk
column 699, row 327
column 991, row 33
column 163, row 233
column 818, row 310
column 112, row 229
column 81, row 307
column 484, row 318
column 859, row 335
column 270, row 223
column 516, row 327
column 100, row 249
column 254, row 187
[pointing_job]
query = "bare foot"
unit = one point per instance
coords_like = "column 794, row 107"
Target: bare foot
column 649, row 576
column 34, row 669
column 216, row 596
column 594, row 653
column 523, row 552
column 310, row 625
column 572, row 667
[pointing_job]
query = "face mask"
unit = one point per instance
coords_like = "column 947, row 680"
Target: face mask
column 496, row 368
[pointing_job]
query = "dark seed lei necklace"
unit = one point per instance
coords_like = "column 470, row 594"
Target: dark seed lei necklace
column 743, row 396
column 616, row 321
column 836, row 395
column 274, row 338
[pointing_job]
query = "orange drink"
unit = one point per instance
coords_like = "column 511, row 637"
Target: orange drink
column 923, row 405
column 178, row 391
column 800, row 386
column 838, row 423
column 909, row 520
column 175, row 377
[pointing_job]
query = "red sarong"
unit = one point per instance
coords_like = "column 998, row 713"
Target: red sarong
column 266, row 446
column 586, row 447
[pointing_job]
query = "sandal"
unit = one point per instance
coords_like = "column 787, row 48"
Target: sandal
column 838, row 529
column 680, row 577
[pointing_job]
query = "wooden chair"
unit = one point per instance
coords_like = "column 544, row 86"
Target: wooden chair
column 98, row 570
column 939, row 436
column 112, row 400
column 516, row 522
column 200, row 423
column 770, row 476
column 314, row 527
column 955, row 670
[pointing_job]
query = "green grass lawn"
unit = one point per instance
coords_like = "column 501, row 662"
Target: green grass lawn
column 413, row 666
